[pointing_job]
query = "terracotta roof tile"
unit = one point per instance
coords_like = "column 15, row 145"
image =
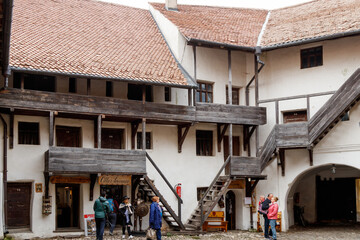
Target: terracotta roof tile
column 234, row 26
column 311, row 20
column 90, row 38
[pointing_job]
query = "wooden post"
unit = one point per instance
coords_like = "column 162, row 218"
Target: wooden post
column 230, row 103
column 143, row 94
column 256, row 63
column 134, row 128
column 88, row 86
column 92, row 184
column 311, row 156
column 22, row 84
column 277, row 111
column 282, row 160
column 99, row 124
column 11, row 133
column 51, row 128
column 144, row 134
column 182, row 136
column 195, row 77
column 308, row 108
column 47, row 179
column 189, row 97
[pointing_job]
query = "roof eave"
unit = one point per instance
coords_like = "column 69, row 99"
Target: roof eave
column 311, row 40
column 206, row 43
column 99, row 77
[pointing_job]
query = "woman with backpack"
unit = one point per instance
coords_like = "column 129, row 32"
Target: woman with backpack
column 113, row 213
column 101, row 208
column 126, row 211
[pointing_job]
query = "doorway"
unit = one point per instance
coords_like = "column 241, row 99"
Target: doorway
column 230, row 210
column 18, row 209
column 67, row 205
column 236, row 149
column 68, row 136
column 338, row 191
column 115, row 192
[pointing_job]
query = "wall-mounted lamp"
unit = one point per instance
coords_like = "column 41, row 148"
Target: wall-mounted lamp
column 333, row 169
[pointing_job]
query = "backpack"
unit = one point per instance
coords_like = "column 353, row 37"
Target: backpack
column 111, row 204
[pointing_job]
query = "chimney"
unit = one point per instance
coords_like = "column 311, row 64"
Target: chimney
column 171, row 5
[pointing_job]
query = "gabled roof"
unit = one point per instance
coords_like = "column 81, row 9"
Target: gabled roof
column 90, row 38
column 233, row 26
column 311, row 20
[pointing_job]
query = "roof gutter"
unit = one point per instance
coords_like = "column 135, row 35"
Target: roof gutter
column 200, row 42
column 98, row 77
column 8, row 9
column 311, row 40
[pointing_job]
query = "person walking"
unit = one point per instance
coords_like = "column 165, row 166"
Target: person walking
column 272, row 216
column 262, row 212
column 265, row 207
column 126, row 211
column 155, row 218
column 114, row 206
column 101, row 208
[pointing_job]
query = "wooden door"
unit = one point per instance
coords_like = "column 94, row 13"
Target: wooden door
column 236, row 149
column 68, row 136
column 67, row 205
column 112, row 138
column 230, row 210
column 19, row 196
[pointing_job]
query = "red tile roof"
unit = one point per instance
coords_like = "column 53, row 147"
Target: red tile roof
column 91, row 38
column 234, row 26
column 311, row 20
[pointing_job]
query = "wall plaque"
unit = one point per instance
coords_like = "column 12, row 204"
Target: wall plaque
column 115, row 180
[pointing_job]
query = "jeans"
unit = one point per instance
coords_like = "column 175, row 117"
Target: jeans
column 273, row 227
column 100, row 226
column 266, row 226
column 112, row 220
column 158, row 234
column 128, row 229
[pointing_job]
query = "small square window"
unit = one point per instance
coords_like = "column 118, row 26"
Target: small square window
column 204, row 143
column 72, row 85
column 167, row 94
column 28, row 133
column 148, row 140
column 109, row 89
column 311, row 57
column 205, row 92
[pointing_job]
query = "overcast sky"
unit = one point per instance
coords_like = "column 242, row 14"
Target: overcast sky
column 264, row 4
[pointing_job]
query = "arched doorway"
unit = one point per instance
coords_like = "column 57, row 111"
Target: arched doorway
column 328, row 194
column 230, row 210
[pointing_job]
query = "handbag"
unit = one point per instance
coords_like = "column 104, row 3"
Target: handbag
column 151, row 234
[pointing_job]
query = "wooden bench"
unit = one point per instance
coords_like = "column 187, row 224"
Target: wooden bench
column 215, row 221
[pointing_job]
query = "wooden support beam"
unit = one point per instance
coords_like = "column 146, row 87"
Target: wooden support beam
column 51, row 128
column 92, row 185
column 311, row 156
column 277, row 111
column 99, row 125
column 88, row 87
column 282, row 160
column 182, row 135
column 22, row 82
column 221, row 134
column 253, row 128
column 47, row 179
column 143, row 94
column 11, row 126
column 245, row 130
column 134, row 128
column 250, row 186
column 143, row 125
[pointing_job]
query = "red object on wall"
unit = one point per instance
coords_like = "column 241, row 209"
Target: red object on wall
column 178, row 189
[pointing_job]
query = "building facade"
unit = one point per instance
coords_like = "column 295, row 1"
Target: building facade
column 112, row 98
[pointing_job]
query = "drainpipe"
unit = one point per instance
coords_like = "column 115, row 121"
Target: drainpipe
column 5, row 171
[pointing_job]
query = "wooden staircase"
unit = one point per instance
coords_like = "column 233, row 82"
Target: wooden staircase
column 169, row 215
column 308, row 134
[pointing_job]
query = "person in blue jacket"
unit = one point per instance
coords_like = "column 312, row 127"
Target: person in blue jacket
column 156, row 216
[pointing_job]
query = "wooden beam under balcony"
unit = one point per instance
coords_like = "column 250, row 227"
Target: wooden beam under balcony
column 93, row 161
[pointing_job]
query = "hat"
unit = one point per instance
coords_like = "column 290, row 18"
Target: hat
column 125, row 197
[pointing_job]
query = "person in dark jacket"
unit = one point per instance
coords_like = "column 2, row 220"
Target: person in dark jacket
column 155, row 218
column 126, row 211
column 265, row 207
column 101, row 208
column 114, row 206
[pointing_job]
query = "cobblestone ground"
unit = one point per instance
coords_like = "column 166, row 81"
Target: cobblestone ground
column 316, row 233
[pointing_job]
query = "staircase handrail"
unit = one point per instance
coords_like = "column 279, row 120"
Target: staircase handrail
column 180, row 201
column 211, row 185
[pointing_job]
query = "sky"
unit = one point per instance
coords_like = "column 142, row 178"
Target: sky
column 262, row 4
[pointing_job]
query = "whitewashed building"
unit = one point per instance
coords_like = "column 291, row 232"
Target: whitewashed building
column 107, row 97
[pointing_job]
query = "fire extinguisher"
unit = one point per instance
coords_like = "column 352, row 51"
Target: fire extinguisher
column 178, row 189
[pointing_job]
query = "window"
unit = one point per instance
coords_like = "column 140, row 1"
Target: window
column 148, row 140
column 167, row 94
column 204, row 143
column 109, row 89
column 205, row 92
column 312, row 57
column 112, row 138
column 68, row 136
column 72, row 85
column 235, row 96
column 34, row 82
column 135, row 92
column 295, row 116
column 28, row 133
column 200, row 192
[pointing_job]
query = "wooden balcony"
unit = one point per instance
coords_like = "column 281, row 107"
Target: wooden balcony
column 245, row 167
column 63, row 160
column 129, row 109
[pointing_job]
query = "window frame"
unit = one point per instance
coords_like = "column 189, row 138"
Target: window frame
column 200, row 91
column 306, row 53
column 202, row 151
column 139, row 140
column 237, row 89
column 27, row 131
